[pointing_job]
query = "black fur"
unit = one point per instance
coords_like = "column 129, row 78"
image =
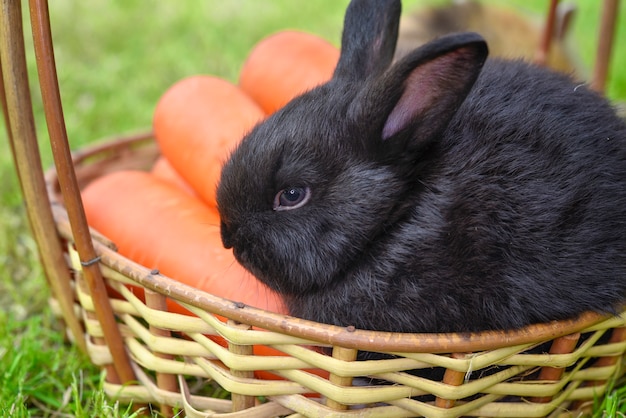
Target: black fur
column 445, row 195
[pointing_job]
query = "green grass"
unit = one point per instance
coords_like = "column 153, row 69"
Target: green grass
column 115, row 59
column 42, row 375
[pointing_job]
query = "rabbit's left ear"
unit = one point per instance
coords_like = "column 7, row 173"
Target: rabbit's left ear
column 421, row 93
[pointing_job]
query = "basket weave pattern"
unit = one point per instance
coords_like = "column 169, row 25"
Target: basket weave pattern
column 169, row 351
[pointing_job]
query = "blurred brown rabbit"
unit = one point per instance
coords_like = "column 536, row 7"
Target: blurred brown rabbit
column 509, row 32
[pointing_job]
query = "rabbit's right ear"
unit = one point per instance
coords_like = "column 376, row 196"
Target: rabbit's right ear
column 413, row 102
column 370, row 34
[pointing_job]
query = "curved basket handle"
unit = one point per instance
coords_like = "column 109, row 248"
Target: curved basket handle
column 20, row 123
column 44, row 52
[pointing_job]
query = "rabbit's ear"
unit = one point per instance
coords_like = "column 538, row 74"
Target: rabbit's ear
column 420, row 94
column 369, row 38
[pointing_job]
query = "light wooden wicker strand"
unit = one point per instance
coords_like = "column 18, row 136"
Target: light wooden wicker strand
column 44, row 53
column 28, row 162
column 563, row 345
column 241, row 402
column 454, row 378
column 618, row 335
column 165, row 381
column 344, row 354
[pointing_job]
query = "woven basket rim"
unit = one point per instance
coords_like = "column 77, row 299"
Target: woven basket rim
column 322, row 333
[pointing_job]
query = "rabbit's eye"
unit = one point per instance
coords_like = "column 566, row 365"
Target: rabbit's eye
column 291, row 198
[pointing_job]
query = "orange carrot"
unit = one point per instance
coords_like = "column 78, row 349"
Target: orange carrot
column 285, row 65
column 162, row 169
column 197, row 123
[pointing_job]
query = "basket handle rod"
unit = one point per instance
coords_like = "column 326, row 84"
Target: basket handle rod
column 44, row 53
column 541, row 55
column 5, row 111
column 27, row 159
column 605, row 44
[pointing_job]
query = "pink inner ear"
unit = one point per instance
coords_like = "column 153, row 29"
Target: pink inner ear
column 417, row 95
column 426, row 86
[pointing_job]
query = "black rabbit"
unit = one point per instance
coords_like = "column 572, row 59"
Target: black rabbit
column 441, row 193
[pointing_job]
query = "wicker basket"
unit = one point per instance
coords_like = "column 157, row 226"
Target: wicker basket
column 206, row 366
column 167, row 348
